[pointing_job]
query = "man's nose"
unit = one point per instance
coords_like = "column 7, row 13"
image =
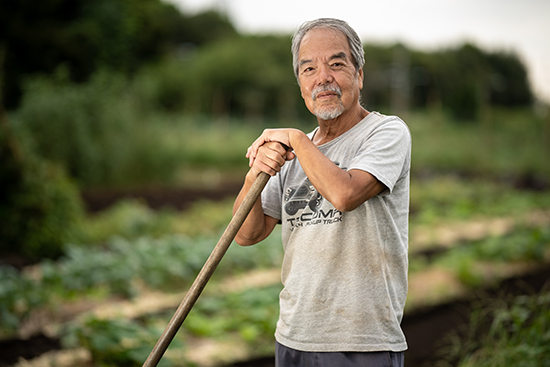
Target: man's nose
column 325, row 75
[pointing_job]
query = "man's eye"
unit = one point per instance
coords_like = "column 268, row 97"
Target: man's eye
column 307, row 70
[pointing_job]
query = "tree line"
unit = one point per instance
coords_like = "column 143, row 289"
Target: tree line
column 85, row 36
column 200, row 63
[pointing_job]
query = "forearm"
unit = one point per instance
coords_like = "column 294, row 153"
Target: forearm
column 254, row 228
column 346, row 190
column 327, row 177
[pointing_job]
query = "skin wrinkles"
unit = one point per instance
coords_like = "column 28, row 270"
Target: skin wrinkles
column 340, row 55
column 330, row 85
column 325, row 62
column 326, row 88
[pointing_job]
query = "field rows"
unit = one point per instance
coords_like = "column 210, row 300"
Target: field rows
column 429, row 284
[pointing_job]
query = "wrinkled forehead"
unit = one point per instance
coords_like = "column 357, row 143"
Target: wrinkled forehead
column 323, row 41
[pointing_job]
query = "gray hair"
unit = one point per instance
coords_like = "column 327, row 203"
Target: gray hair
column 356, row 47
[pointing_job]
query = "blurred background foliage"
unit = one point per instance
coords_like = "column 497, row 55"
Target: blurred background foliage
column 119, row 93
column 205, row 65
column 122, row 35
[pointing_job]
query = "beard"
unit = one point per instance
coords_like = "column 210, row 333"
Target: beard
column 328, row 112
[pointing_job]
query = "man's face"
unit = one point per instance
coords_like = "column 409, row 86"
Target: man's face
column 329, row 83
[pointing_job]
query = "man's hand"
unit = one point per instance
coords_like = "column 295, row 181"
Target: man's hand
column 269, row 157
column 269, row 136
column 268, row 154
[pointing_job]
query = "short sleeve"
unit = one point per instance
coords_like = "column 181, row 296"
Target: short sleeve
column 272, row 197
column 385, row 153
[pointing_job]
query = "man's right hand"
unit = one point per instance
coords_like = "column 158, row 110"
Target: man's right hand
column 270, row 158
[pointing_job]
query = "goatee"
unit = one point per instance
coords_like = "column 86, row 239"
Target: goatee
column 332, row 112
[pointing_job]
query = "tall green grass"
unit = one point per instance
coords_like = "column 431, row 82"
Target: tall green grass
column 110, row 131
column 508, row 331
column 450, row 197
column 505, row 143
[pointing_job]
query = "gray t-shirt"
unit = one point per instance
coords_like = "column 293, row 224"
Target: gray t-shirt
column 345, row 273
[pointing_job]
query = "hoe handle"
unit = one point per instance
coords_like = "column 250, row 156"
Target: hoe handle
column 207, row 270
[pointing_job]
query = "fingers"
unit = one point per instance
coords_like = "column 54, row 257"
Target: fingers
column 269, row 158
column 290, row 156
column 269, row 135
column 271, row 150
column 253, row 149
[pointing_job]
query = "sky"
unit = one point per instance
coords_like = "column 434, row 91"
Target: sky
column 520, row 26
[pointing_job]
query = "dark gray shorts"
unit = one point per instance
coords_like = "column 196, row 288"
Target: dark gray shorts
column 288, row 357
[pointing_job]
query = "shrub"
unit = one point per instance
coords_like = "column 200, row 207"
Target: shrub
column 96, row 130
column 41, row 208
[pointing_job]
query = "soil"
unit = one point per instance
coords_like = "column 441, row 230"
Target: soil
column 157, row 197
column 426, row 329
column 11, row 350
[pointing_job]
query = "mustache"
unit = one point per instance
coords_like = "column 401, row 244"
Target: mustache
column 326, row 88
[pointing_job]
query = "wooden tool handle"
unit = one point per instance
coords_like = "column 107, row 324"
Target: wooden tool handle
column 207, row 270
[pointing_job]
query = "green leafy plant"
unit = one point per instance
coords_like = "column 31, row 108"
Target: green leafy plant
column 451, row 197
column 116, row 342
column 19, row 296
column 467, row 259
column 170, row 263
column 512, row 331
column 251, row 315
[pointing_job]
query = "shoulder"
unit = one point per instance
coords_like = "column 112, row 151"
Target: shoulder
column 377, row 125
column 377, row 120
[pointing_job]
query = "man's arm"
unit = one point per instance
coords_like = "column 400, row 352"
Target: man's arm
column 257, row 226
column 346, row 190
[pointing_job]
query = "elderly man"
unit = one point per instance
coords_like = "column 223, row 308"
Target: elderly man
column 341, row 194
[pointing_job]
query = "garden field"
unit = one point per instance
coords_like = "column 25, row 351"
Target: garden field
column 479, row 259
column 123, row 131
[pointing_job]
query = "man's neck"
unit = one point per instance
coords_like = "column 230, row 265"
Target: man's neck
column 331, row 129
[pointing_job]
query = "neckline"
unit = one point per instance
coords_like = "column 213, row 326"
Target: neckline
column 335, row 140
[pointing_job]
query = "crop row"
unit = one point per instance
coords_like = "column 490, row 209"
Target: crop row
column 171, row 263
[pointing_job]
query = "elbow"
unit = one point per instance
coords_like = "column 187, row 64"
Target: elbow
column 345, row 206
column 346, row 202
column 251, row 233
column 246, row 241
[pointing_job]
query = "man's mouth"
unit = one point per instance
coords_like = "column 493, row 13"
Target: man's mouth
column 326, row 92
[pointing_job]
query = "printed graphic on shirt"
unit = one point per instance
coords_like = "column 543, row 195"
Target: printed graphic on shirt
column 299, row 197
column 303, row 203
